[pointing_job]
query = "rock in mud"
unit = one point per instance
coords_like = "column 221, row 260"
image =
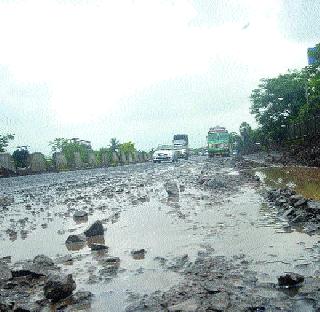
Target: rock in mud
column 294, row 198
column 171, row 188
column 95, row 229
column 138, row 254
column 74, row 239
column 289, row 212
column 43, row 261
column 112, row 261
column 313, row 206
column 27, row 273
column 80, row 214
column 97, row 247
column 6, row 201
column 59, row 287
column 216, row 183
column 178, row 263
column 6, row 259
column 301, row 202
column 212, row 287
column 5, row 273
column 281, row 201
column 290, row 280
column 110, row 266
column 300, row 217
column 81, row 297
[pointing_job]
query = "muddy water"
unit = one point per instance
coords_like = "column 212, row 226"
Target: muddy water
column 304, row 180
column 137, row 214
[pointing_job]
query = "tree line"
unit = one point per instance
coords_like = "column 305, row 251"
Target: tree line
column 280, row 102
column 69, row 147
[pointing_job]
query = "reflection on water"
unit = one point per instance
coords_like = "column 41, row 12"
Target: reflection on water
column 305, row 180
column 99, row 239
column 75, row 246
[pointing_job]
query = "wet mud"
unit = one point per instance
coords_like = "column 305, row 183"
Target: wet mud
column 199, row 231
column 304, row 180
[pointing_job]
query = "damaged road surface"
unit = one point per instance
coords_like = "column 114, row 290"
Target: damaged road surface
column 192, row 236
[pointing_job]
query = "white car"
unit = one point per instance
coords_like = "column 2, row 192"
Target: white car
column 165, row 153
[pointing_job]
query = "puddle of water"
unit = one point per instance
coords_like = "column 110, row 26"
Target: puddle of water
column 245, row 226
column 305, row 180
column 149, row 226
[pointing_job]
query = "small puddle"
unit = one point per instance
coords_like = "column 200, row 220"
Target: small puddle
column 305, row 180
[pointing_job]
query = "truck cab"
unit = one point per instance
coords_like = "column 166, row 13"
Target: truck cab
column 181, row 145
column 218, row 141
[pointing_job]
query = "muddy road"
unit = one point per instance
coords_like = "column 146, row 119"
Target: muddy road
column 192, row 236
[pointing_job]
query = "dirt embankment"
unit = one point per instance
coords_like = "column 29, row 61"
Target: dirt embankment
column 306, row 153
column 299, row 153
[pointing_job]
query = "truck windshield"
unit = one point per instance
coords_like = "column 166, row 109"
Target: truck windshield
column 218, row 136
column 180, row 137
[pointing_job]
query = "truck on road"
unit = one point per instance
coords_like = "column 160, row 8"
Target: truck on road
column 181, row 145
column 218, row 142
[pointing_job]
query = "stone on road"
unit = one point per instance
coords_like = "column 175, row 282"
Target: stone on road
column 96, row 229
column 59, row 287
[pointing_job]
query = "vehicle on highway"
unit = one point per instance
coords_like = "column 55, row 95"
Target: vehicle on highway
column 218, row 142
column 165, row 153
column 181, row 145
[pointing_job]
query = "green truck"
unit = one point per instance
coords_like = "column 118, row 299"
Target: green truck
column 218, row 142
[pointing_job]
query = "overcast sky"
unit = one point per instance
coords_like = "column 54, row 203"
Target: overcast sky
column 142, row 70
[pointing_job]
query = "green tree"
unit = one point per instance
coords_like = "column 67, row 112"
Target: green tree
column 104, row 151
column 114, row 144
column 277, row 102
column 245, row 142
column 4, row 141
column 311, row 78
column 315, row 53
column 69, row 147
column 58, row 144
column 235, row 140
column 127, row 148
column 21, row 156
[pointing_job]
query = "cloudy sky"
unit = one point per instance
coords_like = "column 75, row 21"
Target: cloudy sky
column 142, row 70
